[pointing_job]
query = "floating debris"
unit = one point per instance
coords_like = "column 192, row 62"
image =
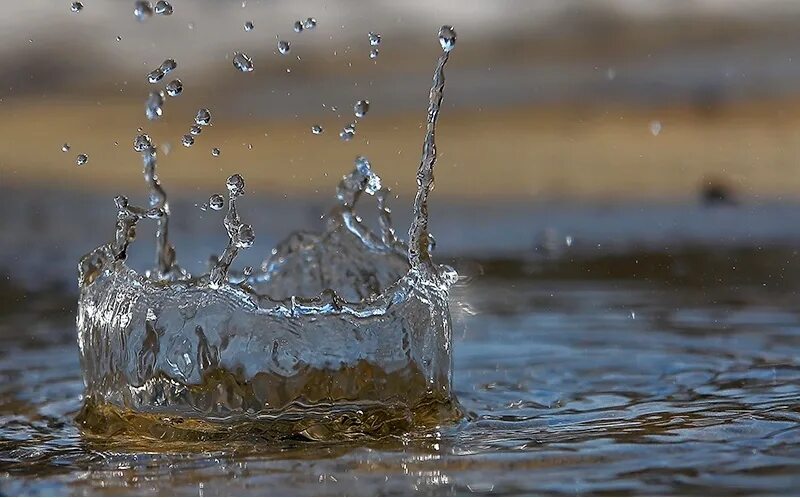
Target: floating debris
column 242, row 62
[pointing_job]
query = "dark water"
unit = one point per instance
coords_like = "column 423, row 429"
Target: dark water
column 643, row 371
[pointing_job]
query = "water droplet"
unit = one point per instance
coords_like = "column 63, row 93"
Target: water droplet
column 247, row 271
column 633, row 315
column 203, row 117
column 76, row 6
column 215, row 152
column 298, row 26
column 119, row 38
column 245, row 237
column 216, row 202
column 447, row 38
column 611, row 73
column 235, row 184
column 373, row 54
column 361, row 108
column 155, row 75
column 655, row 127
column 142, row 142
column 568, row 240
column 374, row 39
column 187, row 140
column 347, row 132
column 163, row 8
column 248, row 26
column 283, row 47
column 242, row 62
column 174, row 88
column 310, row 23
column 81, row 159
column 316, row 130
column 65, row 147
column 153, row 105
column 142, row 10
column 168, row 65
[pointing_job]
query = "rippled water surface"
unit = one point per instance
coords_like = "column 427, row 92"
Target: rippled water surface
column 643, row 372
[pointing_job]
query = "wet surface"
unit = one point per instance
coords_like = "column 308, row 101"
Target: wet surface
column 643, row 372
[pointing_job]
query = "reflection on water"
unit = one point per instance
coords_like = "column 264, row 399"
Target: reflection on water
column 604, row 375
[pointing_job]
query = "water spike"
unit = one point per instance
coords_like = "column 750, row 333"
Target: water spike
column 418, row 236
column 240, row 235
column 165, row 253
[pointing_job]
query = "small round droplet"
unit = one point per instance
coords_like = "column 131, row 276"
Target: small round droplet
column 310, row 23
column 187, row 140
column 298, row 27
column 347, row 132
column 235, row 184
column 168, row 65
column 242, row 62
column 249, row 26
column 65, row 147
column 163, row 8
column 374, row 39
column 142, row 10
column 142, row 142
column 76, row 7
column 216, row 202
column 119, row 38
column 283, row 47
column 447, row 38
column 361, row 108
column 174, row 88
column 81, row 159
column 203, row 117
column 373, row 53
column 215, row 152
column 316, row 130
column 195, row 130
column 655, row 127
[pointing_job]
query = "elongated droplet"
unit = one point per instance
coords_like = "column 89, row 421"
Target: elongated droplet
column 447, row 38
column 153, row 108
column 195, row 129
column 187, row 140
column 242, row 62
column 347, row 132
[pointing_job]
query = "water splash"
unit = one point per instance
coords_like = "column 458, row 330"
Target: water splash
column 339, row 334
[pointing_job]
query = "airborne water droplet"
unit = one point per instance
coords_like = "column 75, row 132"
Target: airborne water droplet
column 283, row 47
column 142, row 10
column 174, row 88
column 168, row 65
column 655, row 127
column 195, row 130
column 142, row 142
column 361, row 108
column 153, row 106
column 187, row 140
column 373, row 54
column 81, row 159
column 310, row 23
column 155, row 75
column 298, row 26
column 347, row 132
column 163, row 8
column 203, row 117
column 65, row 147
column 216, row 202
column 76, row 6
column 316, row 130
column 247, row 271
column 447, row 38
column 215, row 152
column 374, row 39
column 248, row 26
column 242, row 62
